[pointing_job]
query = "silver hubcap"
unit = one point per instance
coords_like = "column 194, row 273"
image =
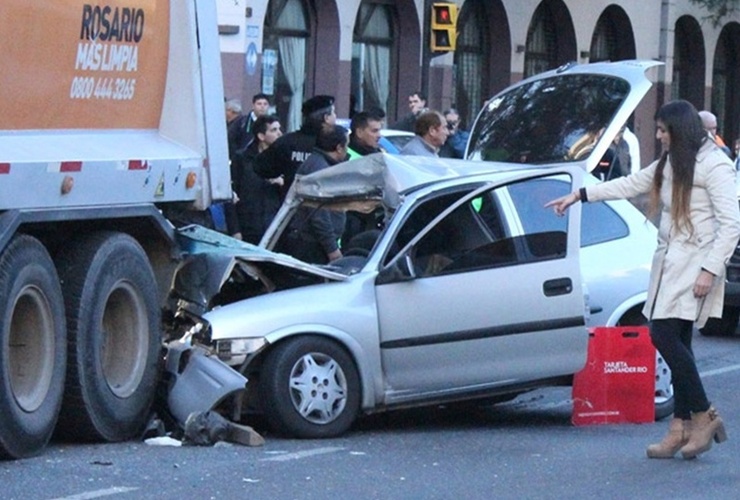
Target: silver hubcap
column 318, row 388
column 663, row 387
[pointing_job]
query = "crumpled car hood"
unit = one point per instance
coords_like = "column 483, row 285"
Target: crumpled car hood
column 214, row 258
column 382, row 178
column 375, row 180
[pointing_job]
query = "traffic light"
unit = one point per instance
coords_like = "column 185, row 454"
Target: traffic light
column 444, row 27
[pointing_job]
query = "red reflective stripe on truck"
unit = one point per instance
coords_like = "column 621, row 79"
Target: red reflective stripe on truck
column 4, row 168
column 70, row 166
column 138, row 165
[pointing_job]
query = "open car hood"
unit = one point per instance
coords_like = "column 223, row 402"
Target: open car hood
column 570, row 114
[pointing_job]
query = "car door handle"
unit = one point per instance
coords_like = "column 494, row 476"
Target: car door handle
column 558, row 286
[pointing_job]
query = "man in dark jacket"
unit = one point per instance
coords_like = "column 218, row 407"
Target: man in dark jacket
column 259, row 198
column 417, row 104
column 364, row 134
column 457, row 141
column 288, row 152
column 260, row 107
column 236, row 127
column 314, row 233
column 363, row 140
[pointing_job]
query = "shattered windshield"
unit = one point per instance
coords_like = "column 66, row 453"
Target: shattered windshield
column 554, row 120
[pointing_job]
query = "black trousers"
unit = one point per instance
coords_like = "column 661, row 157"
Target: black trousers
column 672, row 338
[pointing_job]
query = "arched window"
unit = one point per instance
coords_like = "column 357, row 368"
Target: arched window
column 725, row 94
column 372, row 50
column 286, row 34
column 688, row 62
column 604, row 41
column 613, row 38
column 472, row 51
column 541, row 48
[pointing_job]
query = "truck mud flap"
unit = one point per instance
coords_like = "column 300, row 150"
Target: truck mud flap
column 199, row 381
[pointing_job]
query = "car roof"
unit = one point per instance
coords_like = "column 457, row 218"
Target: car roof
column 386, row 176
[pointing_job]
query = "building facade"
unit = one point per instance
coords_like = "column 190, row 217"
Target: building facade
column 376, row 52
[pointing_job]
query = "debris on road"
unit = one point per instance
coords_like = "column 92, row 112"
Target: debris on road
column 209, row 427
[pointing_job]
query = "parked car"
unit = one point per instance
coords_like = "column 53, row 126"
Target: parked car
column 393, row 141
column 727, row 325
column 472, row 290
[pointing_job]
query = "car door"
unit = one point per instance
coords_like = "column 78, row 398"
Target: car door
column 468, row 305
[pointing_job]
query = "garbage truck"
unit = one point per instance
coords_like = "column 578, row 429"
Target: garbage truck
column 111, row 127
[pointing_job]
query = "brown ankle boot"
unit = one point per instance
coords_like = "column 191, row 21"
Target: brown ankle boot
column 705, row 426
column 677, row 437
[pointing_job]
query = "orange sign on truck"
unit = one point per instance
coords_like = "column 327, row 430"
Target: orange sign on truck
column 83, row 65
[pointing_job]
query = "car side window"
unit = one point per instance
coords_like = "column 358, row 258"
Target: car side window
column 476, row 235
column 599, row 222
column 421, row 216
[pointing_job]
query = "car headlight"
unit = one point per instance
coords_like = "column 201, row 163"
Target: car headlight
column 235, row 351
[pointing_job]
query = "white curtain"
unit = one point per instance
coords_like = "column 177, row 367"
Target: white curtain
column 293, row 61
column 377, row 74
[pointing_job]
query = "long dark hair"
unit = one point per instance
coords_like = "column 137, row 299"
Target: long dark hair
column 682, row 122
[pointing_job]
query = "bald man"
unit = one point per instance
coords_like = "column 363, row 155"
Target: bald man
column 709, row 121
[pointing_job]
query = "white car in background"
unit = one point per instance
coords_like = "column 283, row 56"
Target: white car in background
column 392, row 141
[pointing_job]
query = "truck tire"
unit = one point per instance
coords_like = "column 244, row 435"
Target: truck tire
column 33, row 360
column 113, row 323
column 310, row 388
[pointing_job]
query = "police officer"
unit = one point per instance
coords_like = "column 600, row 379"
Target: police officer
column 287, row 153
column 363, row 140
column 364, row 134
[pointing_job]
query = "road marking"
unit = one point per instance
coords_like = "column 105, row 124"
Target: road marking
column 99, row 493
column 301, row 454
column 720, row 371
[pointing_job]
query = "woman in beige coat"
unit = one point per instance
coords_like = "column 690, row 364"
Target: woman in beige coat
column 693, row 186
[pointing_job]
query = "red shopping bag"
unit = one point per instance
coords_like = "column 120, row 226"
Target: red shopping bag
column 617, row 385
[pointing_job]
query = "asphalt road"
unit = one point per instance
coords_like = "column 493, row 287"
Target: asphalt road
column 527, row 448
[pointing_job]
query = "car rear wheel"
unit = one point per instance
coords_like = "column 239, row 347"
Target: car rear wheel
column 664, row 402
column 310, row 388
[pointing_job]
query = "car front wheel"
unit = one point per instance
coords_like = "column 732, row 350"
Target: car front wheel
column 310, row 388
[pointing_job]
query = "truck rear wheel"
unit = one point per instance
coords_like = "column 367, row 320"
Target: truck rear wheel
column 32, row 336
column 113, row 323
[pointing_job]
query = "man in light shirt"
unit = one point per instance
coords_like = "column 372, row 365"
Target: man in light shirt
column 431, row 133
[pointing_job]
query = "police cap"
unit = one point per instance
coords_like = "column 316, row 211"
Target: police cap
column 317, row 103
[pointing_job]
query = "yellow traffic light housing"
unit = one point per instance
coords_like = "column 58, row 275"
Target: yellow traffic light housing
column 444, row 27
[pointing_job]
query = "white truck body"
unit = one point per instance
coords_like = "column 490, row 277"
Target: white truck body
column 112, row 115
column 127, row 130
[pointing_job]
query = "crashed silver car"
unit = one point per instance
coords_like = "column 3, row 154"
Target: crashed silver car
column 456, row 299
column 471, row 290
